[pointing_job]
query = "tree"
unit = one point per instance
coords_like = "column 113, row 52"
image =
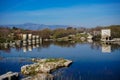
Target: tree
column 45, row 33
column 15, row 28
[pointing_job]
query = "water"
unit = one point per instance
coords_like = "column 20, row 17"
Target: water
column 91, row 61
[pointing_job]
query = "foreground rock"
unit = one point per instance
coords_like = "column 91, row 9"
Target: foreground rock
column 44, row 66
column 10, row 76
column 40, row 76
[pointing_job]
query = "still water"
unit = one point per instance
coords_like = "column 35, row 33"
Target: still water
column 91, row 61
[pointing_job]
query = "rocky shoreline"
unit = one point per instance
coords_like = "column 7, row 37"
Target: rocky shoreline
column 41, row 69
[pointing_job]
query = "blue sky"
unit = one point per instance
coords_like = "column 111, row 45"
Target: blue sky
column 85, row 13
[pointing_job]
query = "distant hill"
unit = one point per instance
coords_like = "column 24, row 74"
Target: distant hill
column 32, row 26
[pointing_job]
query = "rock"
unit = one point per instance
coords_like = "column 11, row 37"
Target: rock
column 44, row 66
column 67, row 63
column 10, row 76
column 40, row 76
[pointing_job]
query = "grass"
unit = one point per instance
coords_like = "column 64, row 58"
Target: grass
column 55, row 60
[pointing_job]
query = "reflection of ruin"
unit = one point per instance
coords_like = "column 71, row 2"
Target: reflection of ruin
column 37, row 45
column 29, row 48
column 34, row 46
column 95, row 45
column 24, row 49
column 45, row 44
column 24, row 38
column 29, row 39
column 106, row 48
column 65, row 44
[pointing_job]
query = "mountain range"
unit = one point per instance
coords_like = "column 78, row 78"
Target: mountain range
column 33, row 26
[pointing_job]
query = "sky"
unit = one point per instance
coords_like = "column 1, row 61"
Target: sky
column 84, row 13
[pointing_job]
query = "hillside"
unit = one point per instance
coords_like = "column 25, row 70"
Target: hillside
column 32, row 26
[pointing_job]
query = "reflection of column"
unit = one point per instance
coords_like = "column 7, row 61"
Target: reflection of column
column 24, row 49
column 10, row 43
column 29, row 39
column 24, row 42
column 37, row 41
column 40, row 40
column 106, row 48
column 6, row 45
column 37, row 45
column 30, row 48
column 34, row 46
column 29, row 42
column 33, row 41
column 13, row 44
column 18, row 42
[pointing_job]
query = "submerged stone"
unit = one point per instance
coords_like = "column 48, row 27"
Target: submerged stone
column 10, row 76
column 40, row 76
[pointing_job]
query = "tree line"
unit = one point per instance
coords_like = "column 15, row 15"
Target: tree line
column 9, row 34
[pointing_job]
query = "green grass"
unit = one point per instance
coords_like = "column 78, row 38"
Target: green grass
column 55, row 60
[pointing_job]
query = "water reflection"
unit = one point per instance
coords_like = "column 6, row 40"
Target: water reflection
column 95, row 45
column 105, row 47
column 29, row 48
column 89, row 62
column 24, row 49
